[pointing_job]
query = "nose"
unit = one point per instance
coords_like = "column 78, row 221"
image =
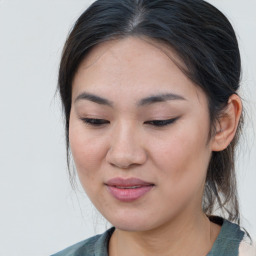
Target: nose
column 126, row 148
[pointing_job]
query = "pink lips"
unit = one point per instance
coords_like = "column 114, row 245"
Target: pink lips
column 128, row 189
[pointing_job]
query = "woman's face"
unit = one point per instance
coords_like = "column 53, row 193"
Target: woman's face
column 138, row 135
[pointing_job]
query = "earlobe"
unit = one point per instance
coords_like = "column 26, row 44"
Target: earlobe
column 227, row 124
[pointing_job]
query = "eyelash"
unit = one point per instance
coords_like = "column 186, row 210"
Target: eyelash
column 99, row 122
column 94, row 121
column 161, row 123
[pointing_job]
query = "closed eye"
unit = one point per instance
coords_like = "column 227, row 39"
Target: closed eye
column 94, row 121
column 99, row 122
column 160, row 123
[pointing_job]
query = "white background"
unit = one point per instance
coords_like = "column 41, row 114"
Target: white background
column 39, row 212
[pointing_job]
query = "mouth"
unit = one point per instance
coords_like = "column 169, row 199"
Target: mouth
column 128, row 190
column 131, row 187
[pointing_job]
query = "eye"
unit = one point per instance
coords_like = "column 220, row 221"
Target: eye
column 160, row 123
column 94, row 121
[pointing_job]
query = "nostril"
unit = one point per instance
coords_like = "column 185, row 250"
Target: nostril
column 121, row 166
column 125, row 159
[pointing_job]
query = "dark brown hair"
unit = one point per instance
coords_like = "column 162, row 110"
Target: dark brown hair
column 204, row 40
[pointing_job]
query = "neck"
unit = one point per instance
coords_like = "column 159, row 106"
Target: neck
column 190, row 237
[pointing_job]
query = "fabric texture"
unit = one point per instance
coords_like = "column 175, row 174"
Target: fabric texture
column 230, row 242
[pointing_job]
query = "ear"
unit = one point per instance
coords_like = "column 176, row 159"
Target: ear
column 227, row 124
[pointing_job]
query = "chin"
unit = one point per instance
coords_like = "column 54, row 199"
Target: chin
column 132, row 223
column 132, row 227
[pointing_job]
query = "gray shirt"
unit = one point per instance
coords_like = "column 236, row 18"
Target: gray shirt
column 226, row 244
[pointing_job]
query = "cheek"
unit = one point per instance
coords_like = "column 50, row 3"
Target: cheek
column 88, row 153
column 183, row 158
column 87, row 150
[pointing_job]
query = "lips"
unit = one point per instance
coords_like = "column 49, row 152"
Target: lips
column 128, row 189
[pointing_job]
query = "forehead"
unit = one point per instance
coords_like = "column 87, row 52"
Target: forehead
column 144, row 47
column 132, row 65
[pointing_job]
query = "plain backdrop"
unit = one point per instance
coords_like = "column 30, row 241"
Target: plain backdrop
column 40, row 213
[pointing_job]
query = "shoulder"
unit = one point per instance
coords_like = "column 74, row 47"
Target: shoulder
column 86, row 246
column 229, row 239
column 247, row 248
column 234, row 240
column 96, row 245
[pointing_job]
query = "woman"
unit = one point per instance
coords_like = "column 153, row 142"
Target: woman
column 149, row 90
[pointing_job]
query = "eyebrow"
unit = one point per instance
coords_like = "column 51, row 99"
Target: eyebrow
column 94, row 98
column 145, row 101
column 160, row 98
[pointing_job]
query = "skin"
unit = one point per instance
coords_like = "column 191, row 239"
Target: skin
column 168, row 220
